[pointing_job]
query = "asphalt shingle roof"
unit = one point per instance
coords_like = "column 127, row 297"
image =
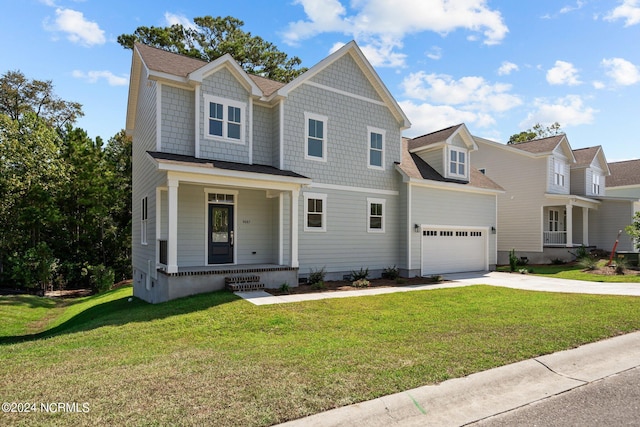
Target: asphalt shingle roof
column 432, row 138
column 542, row 145
column 585, row 156
column 624, row 173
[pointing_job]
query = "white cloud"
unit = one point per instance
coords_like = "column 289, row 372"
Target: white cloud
column 506, row 68
column 172, row 19
column 78, row 29
column 94, row 76
column 563, row 73
column 381, row 25
column 622, row 71
column 598, row 84
column 568, row 111
column 629, row 10
column 435, row 53
column 568, row 9
column 471, row 93
column 426, row 118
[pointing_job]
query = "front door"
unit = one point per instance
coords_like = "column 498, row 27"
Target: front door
column 221, row 234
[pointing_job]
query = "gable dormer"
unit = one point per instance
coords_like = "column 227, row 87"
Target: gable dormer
column 447, row 151
column 589, row 173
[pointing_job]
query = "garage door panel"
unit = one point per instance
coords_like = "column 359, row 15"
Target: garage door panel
column 449, row 250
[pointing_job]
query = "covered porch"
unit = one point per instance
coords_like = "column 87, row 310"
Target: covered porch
column 566, row 221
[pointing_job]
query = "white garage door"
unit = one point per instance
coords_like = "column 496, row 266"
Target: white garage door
column 453, row 250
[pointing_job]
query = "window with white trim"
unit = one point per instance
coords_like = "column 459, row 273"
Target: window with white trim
column 457, row 163
column 376, row 147
column 144, row 219
column 315, row 212
column 558, row 173
column 375, row 215
column 595, row 188
column 224, row 119
column 315, row 137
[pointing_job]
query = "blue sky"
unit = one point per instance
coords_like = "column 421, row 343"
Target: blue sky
column 498, row 66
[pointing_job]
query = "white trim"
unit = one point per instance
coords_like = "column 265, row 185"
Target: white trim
column 250, row 135
column 158, row 116
column 158, row 223
column 281, row 228
column 144, row 220
column 226, row 103
column 318, row 196
column 382, row 132
column 451, row 186
column 295, row 197
column 172, row 238
column 345, row 93
column 323, row 186
column 459, row 151
column 317, row 117
column 281, row 130
column 410, row 227
column 197, row 122
column 382, row 202
column 234, row 193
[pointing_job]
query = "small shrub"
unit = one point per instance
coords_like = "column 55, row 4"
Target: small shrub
column 391, row 273
column 361, row 283
column 284, row 288
column 513, row 260
column 523, row 271
column 318, row 285
column 100, row 277
column 621, row 265
column 522, row 261
column 582, row 252
column 363, row 274
column 316, row 276
column 401, row 281
column 436, row 278
column 557, row 261
column 588, row 262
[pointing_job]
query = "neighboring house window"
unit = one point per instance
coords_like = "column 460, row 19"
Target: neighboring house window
column 376, row 148
column 596, row 184
column 316, row 137
column 315, row 212
column 224, row 119
column 558, row 173
column 144, row 216
column 457, row 162
column 375, row 220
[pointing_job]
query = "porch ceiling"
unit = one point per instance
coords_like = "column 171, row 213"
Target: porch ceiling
column 571, row 199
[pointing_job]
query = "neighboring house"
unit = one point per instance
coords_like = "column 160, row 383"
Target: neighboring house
column 237, row 177
column 554, row 200
column 452, row 206
column 624, row 185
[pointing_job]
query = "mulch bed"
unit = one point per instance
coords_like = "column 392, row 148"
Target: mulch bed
column 343, row 285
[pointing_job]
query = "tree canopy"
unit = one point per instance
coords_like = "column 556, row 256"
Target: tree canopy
column 534, row 133
column 211, row 38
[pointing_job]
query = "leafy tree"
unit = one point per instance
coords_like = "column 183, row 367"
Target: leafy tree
column 536, row 132
column 633, row 230
column 20, row 96
column 212, row 38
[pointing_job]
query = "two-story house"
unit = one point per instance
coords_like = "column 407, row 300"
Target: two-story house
column 623, row 190
column 554, row 200
column 235, row 175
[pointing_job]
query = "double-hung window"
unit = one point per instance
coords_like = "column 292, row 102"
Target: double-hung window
column 558, row 173
column 375, row 215
column 376, row 148
column 457, row 163
column 595, row 184
column 315, row 137
column 224, row 119
column 315, row 212
column 144, row 219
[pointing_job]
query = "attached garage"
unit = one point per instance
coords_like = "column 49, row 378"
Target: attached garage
column 447, row 249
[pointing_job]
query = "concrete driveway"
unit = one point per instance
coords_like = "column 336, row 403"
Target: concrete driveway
column 539, row 283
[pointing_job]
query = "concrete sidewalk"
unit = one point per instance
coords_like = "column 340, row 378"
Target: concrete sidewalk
column 461, row 401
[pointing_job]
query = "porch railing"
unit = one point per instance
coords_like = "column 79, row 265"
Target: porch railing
column 162, row 244
column 555, row 237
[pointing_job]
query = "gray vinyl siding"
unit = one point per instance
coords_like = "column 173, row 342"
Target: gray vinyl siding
column 579, row 179
column 435, row 159
column 263, row 135
column 346, row 134
column 551, row 185
column 345, row 75
column 433, row 206
column 623, row 192
column 525, row 181
column 178, row 121
column 145, row 177
column 275, row 145
column 346, row 245
column 604, row 224
column 223, row 84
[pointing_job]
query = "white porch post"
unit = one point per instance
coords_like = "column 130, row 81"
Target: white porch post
column 295, row 195
column 585, row 226
column 172, row 244
column 281, row 228
column 569, row 225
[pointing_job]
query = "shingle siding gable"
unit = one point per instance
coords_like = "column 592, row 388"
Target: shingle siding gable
column 345, row 75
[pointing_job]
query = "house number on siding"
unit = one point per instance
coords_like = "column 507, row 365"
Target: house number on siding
column 246, row 221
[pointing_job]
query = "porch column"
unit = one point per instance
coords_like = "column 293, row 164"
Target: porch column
column 172, row 243
column 295, row 195
column 281, row 228
column 585, row 226
column 569, row 225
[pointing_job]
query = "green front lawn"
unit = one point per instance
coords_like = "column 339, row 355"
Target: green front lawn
column 576, row 272
column 215, row 359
